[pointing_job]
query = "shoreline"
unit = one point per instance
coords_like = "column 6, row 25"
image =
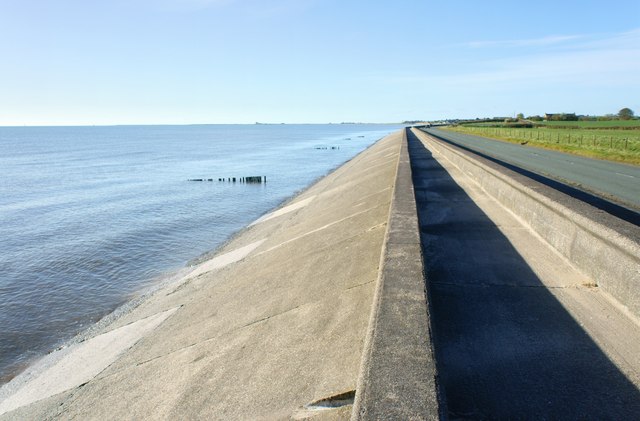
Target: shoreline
column 169, row 280
column 81, row 245
column 275, row 299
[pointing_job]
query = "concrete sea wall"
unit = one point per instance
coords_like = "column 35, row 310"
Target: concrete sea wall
column 317, row 310
column 603, row 247
column 273, row 326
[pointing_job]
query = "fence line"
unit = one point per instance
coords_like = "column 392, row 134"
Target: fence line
column 597, row 140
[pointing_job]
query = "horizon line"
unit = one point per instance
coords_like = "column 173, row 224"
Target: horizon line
column 192, row 124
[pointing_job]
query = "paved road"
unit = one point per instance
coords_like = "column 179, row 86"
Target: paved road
column 514, row 326
column 616, row 182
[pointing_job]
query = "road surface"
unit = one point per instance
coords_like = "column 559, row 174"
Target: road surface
column 611, row 181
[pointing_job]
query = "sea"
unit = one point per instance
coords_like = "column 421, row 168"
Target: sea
column 94, row 217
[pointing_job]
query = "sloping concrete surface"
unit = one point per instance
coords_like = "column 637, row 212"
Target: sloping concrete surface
column 83, row 362
column 519, row 332
column 225, row 259
column 283, row 210
column 264, row 336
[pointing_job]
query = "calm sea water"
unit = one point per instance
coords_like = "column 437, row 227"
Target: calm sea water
column 91, row 217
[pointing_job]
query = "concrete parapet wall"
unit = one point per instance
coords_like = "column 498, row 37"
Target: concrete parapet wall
column 604, row 248
column 398, row 376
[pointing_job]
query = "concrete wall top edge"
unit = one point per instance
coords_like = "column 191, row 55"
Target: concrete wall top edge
column 399, row 347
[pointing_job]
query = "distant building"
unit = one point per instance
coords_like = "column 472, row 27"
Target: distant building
column 560, row 117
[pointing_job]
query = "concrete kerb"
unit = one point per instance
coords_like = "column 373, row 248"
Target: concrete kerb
column 398, row 375
column 580, row 233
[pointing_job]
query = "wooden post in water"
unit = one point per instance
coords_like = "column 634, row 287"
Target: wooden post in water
column 255, row 179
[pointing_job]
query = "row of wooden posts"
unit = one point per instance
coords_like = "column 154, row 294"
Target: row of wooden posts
column 247, row 180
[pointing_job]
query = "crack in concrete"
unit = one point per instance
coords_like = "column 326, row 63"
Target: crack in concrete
column 273, row 315
column 318, row 229
column 140, row 363
column 359, row 285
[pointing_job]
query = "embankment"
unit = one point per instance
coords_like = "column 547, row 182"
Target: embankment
column 317, row 310
column 603, row 247
column 275, row 324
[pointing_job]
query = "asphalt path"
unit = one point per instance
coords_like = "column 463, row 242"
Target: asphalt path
column 616, row 183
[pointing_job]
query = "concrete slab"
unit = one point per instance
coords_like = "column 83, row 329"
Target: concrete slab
column 225, row 259
column 284, row 210
column 83, row 362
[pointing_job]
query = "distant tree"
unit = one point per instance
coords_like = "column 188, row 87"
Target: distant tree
column 625, row 114
column 607, row 117
column 534, row 118
column 520, row 116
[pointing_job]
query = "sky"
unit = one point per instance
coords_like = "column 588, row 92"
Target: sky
column 103, row 62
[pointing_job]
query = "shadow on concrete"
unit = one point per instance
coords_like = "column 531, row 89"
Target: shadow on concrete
column 598, row 202
column 506, row 348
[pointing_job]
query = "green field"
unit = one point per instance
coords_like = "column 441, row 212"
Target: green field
column 622, row 145
column 627, row 124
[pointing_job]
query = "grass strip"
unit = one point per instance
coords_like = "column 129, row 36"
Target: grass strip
column 607, row 144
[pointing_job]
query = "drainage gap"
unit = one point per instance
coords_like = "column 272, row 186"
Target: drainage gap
column 335, row 401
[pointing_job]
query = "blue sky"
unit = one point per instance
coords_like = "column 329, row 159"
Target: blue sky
column 83, row 62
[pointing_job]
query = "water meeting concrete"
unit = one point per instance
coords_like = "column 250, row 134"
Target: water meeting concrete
column 272, row 327
column 396, row 287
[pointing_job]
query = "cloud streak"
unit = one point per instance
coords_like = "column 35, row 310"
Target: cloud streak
column 536, row 42
column 190, row 5
column 608, row 61
column 253, row 7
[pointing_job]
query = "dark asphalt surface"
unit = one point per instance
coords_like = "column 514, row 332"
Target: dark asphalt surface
column 506, row 348
column 619, row 183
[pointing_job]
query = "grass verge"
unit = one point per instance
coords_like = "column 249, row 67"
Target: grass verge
column 607, row 144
